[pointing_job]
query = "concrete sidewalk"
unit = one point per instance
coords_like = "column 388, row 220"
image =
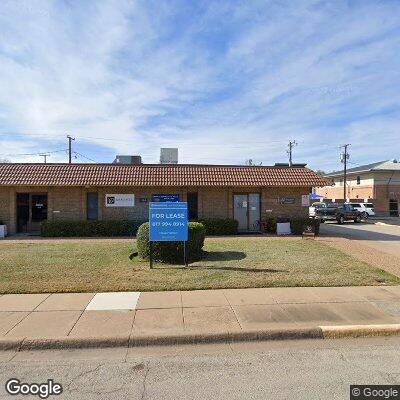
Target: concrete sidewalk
column 116, row 319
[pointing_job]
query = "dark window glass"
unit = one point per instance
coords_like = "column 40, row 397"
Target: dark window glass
column 92, row 206
column 358, row 180
column 39, row 207
column 192, row 200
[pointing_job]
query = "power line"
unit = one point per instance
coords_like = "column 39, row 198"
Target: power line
column 83, row 156
column 32, row 154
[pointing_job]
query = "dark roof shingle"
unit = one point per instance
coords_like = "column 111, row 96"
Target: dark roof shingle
column 156, row 175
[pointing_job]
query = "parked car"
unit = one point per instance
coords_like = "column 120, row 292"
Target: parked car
column 339, row 213
column 366, row 209
column 315, row 206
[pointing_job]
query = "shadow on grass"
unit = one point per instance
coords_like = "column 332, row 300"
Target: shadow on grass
column 234, row 269
column 223, row 255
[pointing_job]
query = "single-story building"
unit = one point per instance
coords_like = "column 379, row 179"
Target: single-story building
column 31, row 193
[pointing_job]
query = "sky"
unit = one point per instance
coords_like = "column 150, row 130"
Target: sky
column 223, row 81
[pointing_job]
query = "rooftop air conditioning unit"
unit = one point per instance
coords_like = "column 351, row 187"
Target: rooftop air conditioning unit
column 169, row 156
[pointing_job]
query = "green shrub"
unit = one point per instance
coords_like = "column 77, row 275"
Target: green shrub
column 270, row 224
column 298, row 225
column 171, row 252
column 220, row 226
column 89, row 228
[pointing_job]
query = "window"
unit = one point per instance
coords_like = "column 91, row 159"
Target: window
column 92, row 206
column 192, row 200
column 358, row 180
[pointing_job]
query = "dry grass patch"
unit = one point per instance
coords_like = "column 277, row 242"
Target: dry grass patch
column 96, row 266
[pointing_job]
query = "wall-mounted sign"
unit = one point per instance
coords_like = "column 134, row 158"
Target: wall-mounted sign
column 287, row 200
column 305, row 200
column 165, row 198
column 168, row 221
column 120, row 200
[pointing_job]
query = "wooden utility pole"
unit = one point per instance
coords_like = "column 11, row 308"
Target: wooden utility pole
column 290, row 151
column 70, row 139
column 344, row 157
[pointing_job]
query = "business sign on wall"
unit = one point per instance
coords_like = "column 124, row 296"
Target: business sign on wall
column 168, row 222
column 120, row 200
column 165, row 198
column 287, row 200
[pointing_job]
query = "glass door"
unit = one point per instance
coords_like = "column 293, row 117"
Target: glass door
column 254, row 211
column 240, row 211
column 246, row 210
column 38, row 211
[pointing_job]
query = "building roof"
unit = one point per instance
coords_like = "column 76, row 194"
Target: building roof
column 388, row 165
column 156, row 175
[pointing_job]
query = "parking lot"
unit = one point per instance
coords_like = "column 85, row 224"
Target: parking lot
column 381, row 235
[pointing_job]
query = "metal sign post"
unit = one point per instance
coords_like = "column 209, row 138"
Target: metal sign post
column 168, row 223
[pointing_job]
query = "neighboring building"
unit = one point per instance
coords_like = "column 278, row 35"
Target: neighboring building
column 31, row 193
column 378, row 183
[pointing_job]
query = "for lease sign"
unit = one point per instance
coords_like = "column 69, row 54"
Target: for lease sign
column 168, row 221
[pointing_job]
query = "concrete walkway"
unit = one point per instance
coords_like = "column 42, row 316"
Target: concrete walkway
column 108, row 319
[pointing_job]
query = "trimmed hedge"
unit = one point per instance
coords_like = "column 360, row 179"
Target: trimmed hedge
column 88, row 228
column 298, row 225
column 171, row 252
column 220, row 226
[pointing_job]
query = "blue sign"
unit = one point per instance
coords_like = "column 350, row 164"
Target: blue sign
column 168, row 222
column 165, row 198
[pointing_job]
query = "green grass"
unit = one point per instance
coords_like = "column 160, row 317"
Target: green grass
column 99, row 265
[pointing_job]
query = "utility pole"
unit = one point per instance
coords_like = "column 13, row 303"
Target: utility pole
column 44, row 157
column 343, row 158
column 290, row 151
column 70, row 139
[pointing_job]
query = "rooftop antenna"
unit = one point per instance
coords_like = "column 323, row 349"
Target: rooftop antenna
column 44, row 155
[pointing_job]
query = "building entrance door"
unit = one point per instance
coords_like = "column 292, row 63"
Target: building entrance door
column 31, row 211
column 393, row 208
column 246, row 210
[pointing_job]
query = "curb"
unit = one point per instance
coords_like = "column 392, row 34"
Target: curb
column 319, row 332
column 355, row 331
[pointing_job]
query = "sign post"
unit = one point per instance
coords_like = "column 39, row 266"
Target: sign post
column 168, row 223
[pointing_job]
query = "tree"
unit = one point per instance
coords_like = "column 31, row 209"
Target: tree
column 320, row 172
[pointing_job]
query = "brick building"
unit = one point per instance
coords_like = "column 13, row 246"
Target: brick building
column 31, row 193
column 378, row 183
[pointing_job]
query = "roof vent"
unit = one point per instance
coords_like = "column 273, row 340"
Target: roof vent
column 169, row 156
column 132, row 160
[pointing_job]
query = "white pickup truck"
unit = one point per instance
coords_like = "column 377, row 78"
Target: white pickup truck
column 313, row 207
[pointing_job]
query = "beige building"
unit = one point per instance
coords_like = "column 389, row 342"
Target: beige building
column 31, row 193
column 378, row 183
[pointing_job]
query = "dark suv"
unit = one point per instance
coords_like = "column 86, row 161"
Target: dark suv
column 340, row 213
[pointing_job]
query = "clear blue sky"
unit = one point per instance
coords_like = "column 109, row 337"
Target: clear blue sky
column 224, row 81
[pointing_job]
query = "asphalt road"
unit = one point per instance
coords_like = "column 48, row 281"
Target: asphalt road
column 315, row 369
column 381, row 237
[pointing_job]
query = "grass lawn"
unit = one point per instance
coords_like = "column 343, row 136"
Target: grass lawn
column 101, row 265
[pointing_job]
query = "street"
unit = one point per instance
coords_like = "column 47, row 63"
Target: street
column 308, row 369
column 383, row 237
